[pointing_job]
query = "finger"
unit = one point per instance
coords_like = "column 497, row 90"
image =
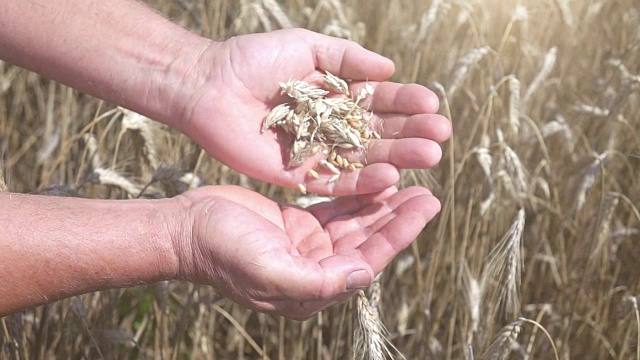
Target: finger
column 396, row 234
column 411, row 153
column 324, row 212
column 370, row 179
column 360, row 224
column 427, row 126
column 391, row 97
column 347, row 59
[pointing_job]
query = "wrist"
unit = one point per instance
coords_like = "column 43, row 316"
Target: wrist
column 174, row 84
column 179, row 227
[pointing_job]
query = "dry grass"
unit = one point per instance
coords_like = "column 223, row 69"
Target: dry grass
column 544, row 101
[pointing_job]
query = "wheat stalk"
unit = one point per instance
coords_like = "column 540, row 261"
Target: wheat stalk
column 469, row 60
column 262, row 16
column 3, row 184
column 565, row 11
column 514, row 104
column 144, row 125
column 501, row 277
column 375, row 296
column 250, row 18
column 592, row 110
column 483, row 155
column 276, row 11
column 472, row 293
column 371, row 341
column 512, row 166
column 112, row 178
column 427, row 22
column 587, row 182
column 501, row 347
column 92, row 151
column 634, row 304
column 547, row 65
column 603, row 233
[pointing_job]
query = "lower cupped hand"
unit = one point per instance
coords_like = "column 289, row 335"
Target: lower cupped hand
column 291, row 261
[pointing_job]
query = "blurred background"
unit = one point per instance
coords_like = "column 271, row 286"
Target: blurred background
column 536, row 249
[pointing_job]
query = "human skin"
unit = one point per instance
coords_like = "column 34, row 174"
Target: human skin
column 125, row 53
column 283, row 259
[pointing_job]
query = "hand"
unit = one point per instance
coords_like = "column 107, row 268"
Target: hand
column 291, row 261
column 241, row 86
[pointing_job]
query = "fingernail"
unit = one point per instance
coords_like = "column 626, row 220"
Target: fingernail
column 358, row 280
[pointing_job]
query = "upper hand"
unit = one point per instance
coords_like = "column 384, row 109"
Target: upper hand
column 240, row 87
column 291, row 261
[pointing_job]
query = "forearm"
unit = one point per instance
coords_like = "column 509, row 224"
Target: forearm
column 119, row 50
column 53, row 248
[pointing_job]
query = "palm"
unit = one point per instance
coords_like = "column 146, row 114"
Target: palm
column 285, row 259
column 228, row 115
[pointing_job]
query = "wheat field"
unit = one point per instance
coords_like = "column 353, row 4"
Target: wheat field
column 536, row 251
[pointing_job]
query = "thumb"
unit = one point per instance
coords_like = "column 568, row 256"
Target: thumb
column 335, row 279
column 329, row 277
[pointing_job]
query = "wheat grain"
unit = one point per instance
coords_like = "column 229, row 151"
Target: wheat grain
column 144, row 125
column 48, row 147
column 565, row 11
column 3, row 184
column 276, row 11
column 191, row 179
column 603, row 233
column 371, row 340
column 469, row 60
column 468, row 353
column 402, row 316
column 248, row 20
column 336, row 84
column 262, row 16
column 404, row 263
column 634, row 304
column 308, row 200
column 375, row 296
column 320, row 122
column 514, row 104
column 427, row 22
column 510, row 162
column 591, row 110
column 484, row 159
column 485, row 205
column 112, row 178
column 624, row 72
column 473, row 296
column 339, row 11
column 587, row 182
column 500, row 281
column 92, row 151
column 547, row 65
column 503, row 342
column 313, row 174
